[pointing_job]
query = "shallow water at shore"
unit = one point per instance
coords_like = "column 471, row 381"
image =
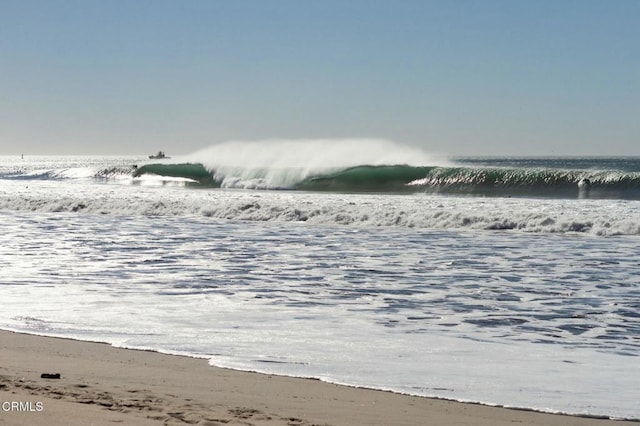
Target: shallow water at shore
column 419, row 294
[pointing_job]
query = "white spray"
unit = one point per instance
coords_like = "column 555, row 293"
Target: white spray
column 280, row 163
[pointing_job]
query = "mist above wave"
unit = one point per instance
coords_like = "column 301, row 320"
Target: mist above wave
column 281, row 163
column 310, row 153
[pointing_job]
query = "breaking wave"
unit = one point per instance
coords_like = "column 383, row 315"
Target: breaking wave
column 595, row 217
column 362, row 165
column 405, row 179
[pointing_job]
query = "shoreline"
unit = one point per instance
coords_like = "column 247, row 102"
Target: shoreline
column 101, row 384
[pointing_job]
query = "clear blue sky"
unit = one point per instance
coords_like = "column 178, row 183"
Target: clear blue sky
column 483, row 77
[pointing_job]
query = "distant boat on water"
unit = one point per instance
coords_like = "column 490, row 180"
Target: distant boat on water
column 159, row 155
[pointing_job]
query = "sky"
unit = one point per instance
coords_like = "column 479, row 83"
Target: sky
column 455, row 77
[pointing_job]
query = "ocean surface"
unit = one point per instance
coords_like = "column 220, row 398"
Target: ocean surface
column 505, row 281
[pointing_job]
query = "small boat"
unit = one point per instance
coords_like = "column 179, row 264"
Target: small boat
column 158, row 156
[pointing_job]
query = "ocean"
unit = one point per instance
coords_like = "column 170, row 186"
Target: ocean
column 505, row 281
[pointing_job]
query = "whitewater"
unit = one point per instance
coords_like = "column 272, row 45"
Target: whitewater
column 332, row 260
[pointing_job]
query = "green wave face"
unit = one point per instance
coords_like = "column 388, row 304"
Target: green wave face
column 366, row 179
column 479, row 181
column 486, row 181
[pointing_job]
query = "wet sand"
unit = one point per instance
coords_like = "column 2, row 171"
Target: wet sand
column 103, row 385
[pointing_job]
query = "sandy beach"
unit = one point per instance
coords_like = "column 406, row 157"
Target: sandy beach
column 103, row 385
